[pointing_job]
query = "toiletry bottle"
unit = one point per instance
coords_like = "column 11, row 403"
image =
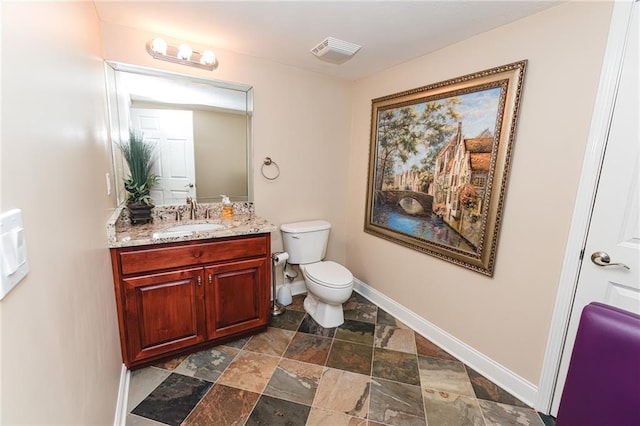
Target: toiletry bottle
column 227, row 207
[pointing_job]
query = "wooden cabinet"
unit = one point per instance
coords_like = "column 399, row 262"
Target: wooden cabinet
column 235, row 294
column 175, row 298
column 163, row 312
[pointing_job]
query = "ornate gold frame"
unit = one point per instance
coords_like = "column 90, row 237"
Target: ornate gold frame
column 452, row 171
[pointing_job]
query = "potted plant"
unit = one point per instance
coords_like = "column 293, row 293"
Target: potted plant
column 140, row 156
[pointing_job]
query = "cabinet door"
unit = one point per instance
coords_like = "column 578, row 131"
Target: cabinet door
column 164, row 312
column 237, row 295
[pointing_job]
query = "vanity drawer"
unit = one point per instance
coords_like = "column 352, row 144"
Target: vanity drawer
column 151, row 259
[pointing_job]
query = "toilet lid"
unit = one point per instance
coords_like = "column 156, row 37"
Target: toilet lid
column 330, row 274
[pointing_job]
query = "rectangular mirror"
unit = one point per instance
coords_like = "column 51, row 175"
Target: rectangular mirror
column 202, row 128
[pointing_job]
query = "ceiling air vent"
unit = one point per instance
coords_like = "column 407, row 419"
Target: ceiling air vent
column 334, row 50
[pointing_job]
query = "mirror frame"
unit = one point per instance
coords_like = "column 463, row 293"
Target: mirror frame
column 116, row 114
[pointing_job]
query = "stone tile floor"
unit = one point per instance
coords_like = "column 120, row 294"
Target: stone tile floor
column 372, row 370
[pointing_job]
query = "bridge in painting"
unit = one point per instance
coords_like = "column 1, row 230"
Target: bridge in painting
column 396, row 196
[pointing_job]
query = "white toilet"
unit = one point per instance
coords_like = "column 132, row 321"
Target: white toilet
column 329, row 284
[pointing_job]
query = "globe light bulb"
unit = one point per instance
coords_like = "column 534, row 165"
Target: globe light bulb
column 184, row 52
column 208, row 58
column 158, row 45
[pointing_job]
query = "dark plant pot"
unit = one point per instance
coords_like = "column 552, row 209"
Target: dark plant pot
column 139, row 213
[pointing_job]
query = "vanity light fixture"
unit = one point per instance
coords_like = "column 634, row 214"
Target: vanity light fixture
column 183, row 54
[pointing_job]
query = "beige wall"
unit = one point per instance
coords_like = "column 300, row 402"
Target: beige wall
column 60, row 348
column 506, row 317
column 301, row 121
column 220, row 139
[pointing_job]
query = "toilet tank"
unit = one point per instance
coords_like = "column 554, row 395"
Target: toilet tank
column 306, row 242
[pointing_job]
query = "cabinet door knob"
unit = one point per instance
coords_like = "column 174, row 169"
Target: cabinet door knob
column 199, row 279
column 210, row 278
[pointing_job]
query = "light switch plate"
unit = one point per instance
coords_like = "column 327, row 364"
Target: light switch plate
column 13, row 251
column 108, row 178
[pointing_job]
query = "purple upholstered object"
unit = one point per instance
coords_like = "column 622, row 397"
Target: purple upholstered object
column 603, row 382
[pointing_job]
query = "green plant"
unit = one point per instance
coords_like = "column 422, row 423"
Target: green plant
column 140, row 157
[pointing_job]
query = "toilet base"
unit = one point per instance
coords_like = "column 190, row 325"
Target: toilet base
column 328, row 316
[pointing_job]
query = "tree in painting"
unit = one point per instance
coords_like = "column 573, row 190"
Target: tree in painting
column 402, row 130
column 398, row 134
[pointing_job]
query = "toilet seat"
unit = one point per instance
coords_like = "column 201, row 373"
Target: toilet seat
column 329, row 274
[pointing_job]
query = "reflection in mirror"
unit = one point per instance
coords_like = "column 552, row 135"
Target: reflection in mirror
column 202, row 129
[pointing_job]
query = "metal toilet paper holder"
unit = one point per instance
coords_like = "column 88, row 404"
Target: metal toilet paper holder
column 276, row 259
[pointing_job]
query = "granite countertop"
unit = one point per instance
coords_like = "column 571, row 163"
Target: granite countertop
column 121, row 233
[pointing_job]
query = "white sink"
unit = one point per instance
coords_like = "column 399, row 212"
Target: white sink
column 194, row 227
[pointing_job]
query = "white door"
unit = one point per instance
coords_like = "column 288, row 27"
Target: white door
column 614, row 231
column 173, row 131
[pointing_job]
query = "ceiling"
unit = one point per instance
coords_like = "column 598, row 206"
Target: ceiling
column 390, row 32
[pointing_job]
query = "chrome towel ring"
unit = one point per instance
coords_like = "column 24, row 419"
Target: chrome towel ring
column 269, row 162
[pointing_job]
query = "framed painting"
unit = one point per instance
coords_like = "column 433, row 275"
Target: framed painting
column 439, row 163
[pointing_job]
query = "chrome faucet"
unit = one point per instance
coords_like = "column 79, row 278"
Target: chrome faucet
column 193, row 207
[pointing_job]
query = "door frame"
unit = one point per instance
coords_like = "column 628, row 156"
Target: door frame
column 583, row 207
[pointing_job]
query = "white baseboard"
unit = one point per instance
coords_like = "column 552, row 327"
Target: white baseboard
column 500, row 375
column 120, row 418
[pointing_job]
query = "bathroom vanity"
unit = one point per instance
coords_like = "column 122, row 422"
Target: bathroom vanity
column 189, row 278
column 178, row 291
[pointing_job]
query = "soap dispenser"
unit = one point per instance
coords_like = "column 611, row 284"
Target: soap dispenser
column 227, row 207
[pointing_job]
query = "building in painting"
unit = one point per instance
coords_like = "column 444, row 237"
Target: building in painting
column 478, row 164
column 408, row 180
column 460, row 180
